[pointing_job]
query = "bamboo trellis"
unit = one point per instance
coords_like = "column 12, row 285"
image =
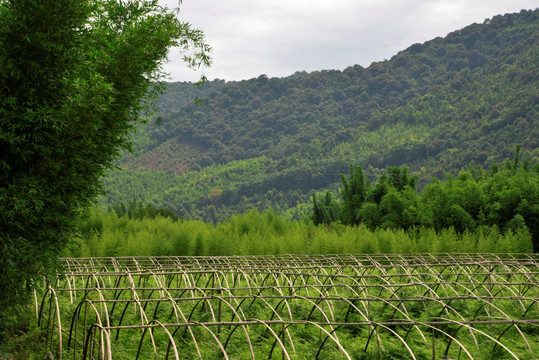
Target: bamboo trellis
column 453, row 305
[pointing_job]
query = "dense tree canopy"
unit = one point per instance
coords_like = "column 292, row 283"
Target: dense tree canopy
column 434, row 108
column 75, row 77
column 506, row 198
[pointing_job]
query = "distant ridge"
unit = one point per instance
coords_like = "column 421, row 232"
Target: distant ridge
column 266, row 142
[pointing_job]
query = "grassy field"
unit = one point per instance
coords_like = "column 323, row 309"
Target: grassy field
column 416, row 306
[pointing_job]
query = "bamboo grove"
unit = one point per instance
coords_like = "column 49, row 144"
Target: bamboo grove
column 506, row 198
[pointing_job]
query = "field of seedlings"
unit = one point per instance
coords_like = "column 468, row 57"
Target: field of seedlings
column 448, row 306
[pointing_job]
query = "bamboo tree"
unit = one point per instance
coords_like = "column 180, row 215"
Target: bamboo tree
column 76, row 77
column 353, row 195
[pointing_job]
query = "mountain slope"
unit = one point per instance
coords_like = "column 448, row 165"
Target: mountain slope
column 434, row 107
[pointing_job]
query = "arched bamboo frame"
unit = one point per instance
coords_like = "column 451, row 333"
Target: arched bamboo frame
column 469, row 299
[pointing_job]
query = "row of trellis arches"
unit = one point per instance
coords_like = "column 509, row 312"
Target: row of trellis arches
column 295, row 307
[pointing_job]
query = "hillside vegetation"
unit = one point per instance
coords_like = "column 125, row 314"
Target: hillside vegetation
column 479, row 211
column 267, row 143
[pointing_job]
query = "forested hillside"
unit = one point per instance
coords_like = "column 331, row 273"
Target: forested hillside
column 270, row 142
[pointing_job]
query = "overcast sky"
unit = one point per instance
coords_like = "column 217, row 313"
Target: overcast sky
column 280, row 37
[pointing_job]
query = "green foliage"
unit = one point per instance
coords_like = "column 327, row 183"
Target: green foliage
column 23, row 338
column 506, row 199
column 259, row 233
column 75, row 79
column 433, row 108
column 473, row 199
column 326, row 211
column 139, row 211
column 215, row 192
column 353, row 195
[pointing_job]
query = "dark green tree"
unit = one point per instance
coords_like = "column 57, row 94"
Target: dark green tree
column 393, row 202
column 325, row 211
column 516, row 160
column 453, row 202
column 76, row 77
column 353, row 195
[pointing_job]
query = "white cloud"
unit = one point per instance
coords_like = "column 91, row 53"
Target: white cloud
column 279, row 37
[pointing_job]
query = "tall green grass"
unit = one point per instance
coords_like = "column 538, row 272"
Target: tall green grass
column 254, row 233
